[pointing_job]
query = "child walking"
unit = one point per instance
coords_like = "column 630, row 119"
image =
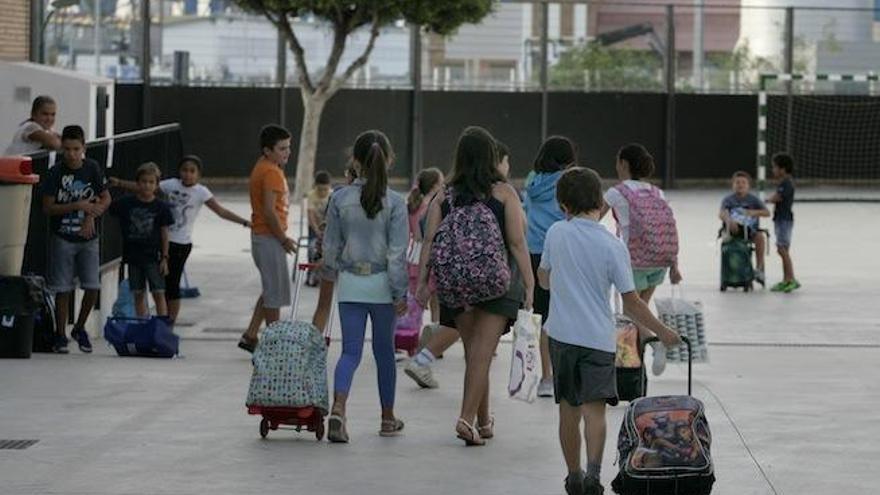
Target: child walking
column 783, row 219
column 144, row 221
column 185, row 195
column 542, row 210
column 365, row 247
column 581, row 260
column 634, row 166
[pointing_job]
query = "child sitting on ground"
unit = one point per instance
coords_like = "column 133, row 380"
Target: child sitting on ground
column 580, row 262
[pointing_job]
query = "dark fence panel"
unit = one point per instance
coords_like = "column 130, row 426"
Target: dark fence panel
column 715, row 134
column 600, row 123
column 514, row 118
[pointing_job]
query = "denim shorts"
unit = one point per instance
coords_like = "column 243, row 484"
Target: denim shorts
column 69, row 261
column 783, row 230
column 140, row 274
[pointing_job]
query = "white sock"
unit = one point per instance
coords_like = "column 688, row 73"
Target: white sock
column 424, row 358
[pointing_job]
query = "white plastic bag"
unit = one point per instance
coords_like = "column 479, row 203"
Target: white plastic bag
column 525, row 364
column 686, row 317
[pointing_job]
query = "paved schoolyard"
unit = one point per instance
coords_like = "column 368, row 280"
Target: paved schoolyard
column 790, row 391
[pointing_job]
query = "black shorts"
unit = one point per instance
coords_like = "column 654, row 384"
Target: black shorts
column 502, row 306
column 582, row 375
column 541, row 296
column 177, row 256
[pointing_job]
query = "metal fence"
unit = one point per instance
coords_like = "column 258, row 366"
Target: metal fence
column 717, row 46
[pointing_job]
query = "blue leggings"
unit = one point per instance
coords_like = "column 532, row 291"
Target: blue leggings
column 353, row 317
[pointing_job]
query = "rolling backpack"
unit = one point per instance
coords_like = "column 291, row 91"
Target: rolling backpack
column 664, row 446
column 469, row 257
column 653, row 235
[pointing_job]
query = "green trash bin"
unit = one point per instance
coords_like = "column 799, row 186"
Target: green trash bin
column 19, row 301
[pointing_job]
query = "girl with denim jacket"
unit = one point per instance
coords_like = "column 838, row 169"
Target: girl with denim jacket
column 365, row 244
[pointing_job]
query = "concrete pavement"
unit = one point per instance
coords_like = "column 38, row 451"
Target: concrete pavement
column 790, row 391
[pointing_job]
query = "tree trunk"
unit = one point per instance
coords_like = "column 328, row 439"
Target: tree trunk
column 313, row 108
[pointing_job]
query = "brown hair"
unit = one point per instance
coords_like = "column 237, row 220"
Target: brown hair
column 579, row 190
column 425, row 182
column 148, row 168
column 641, row 163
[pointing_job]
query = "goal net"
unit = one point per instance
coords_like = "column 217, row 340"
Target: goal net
column 830, row 124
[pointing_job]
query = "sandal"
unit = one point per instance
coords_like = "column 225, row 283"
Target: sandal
column 336, row 432
column 247, row 343
column 487, row 430
column 470, row 435
column 391, row 427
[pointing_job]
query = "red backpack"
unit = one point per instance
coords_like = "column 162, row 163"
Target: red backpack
column 653, row 236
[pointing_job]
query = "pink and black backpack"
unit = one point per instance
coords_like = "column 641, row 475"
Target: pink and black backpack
column 653, row 235
column 468, row 256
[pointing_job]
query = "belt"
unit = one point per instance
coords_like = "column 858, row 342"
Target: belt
column 363, row 268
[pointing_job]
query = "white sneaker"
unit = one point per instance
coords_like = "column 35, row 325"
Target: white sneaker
column 545, row 388
column 423, row 375
column 659, row 358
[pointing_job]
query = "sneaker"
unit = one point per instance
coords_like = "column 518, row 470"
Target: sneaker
column 659, row 364
column 82, row 339
column 780, row 287
column 336, row 431
column 60, row 345
column 545, row 388
column 592, row 486
column 421, row 374
column 574, row 483
column 759, row 277
column 792, row 286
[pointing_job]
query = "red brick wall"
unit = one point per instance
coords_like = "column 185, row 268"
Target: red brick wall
column 14, row 29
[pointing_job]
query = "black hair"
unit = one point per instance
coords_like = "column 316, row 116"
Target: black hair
column 502, row 150
column 556, row 153
column 195, row 160
column 373, row 152
column 784, row 161
column 425, row 182
column 271, row 134
column 39, row 102
column 322, row 178
column 475, row 169
column 579, row 190
column 641, row 163
column 73, row 132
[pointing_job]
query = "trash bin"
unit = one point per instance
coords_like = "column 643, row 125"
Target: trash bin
column 16, row 188
column 19, row 301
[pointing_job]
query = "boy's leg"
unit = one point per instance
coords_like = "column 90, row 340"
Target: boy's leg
column 159, row 299
column 62, row 303
column 256, row 320
column 140, row 303
column 90, row 298
column 760, row 241
column 594, row 435
column 157, row 288
column 570, row 435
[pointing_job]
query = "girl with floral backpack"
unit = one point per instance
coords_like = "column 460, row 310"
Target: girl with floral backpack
column 645, row 223
column 476, row 248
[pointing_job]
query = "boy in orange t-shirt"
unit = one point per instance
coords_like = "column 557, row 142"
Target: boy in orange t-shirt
column 269, row 241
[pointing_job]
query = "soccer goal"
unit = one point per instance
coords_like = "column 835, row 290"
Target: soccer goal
column 830, row 123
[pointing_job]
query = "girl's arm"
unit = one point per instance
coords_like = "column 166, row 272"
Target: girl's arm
column 398, row 239
column 126, row 185
column 48, row 139
column 163, row 265
column 225, row 214
column 516, row 239
column 434, row 219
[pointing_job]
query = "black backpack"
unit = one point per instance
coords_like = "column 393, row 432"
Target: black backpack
column 44, row 316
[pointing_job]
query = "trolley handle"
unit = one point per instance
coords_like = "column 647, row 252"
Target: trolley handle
column 687, row 342
column 299, row 276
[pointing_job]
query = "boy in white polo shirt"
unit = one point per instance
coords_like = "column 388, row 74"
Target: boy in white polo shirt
column 580, row 263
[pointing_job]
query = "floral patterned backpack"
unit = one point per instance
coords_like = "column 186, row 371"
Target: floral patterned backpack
column 468, row 256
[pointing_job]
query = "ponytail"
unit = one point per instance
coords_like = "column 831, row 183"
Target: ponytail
column 425, row 183
column 374, row 170
column 414, row 200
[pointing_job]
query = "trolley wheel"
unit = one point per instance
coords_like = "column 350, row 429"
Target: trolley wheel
column 319, row 429
column 749, row 288
column 723, row 288
column 264, row 428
